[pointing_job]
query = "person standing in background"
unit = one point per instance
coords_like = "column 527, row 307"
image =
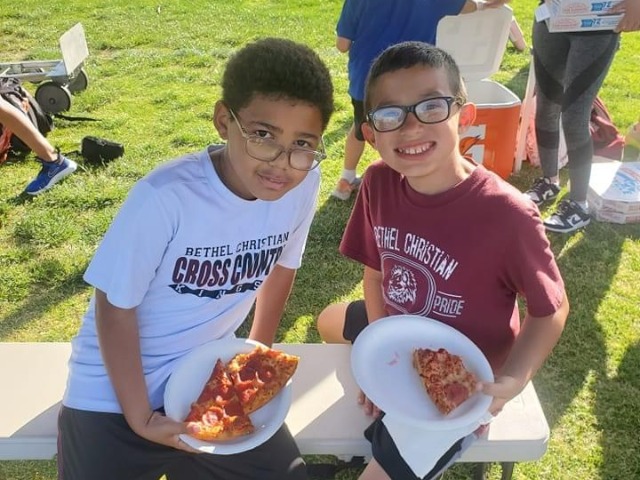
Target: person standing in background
column 365, row 28
column 570, row 68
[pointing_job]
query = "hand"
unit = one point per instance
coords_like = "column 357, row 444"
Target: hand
column 165, row 431
column 369, row 407
column 631, row 18
column 494, row 3
column 504, row 389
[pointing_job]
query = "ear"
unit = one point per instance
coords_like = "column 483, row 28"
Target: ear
column 466, row 117
column 369, row 134
column 221, row 119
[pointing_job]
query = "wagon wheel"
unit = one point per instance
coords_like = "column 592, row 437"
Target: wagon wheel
column 53, row 98
column 80, row 82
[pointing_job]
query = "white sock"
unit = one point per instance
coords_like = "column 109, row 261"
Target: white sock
column 584, row 205
column 348, row 175
column 554, row 180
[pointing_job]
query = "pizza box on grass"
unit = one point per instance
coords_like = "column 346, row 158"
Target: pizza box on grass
column 614, row 191
column 477, row 41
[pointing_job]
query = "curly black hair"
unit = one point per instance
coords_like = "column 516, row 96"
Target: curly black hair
column 409, row 54
column 278, row 68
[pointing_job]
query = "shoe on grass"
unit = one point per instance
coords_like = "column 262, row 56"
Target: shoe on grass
column 50, row 174
column 344, row 188
column 543, row 190
column 569, row 217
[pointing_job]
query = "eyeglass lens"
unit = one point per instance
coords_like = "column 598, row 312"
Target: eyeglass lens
column 432, row 110
column 267, row 150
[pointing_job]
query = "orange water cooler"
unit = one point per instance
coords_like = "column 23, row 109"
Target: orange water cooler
column 477, row 42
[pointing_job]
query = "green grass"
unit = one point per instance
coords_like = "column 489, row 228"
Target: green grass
column 154, row 73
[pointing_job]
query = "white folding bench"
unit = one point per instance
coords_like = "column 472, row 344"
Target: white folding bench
column 324, row 418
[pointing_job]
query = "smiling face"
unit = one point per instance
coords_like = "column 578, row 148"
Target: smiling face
column 426, row 154
column 288, row 122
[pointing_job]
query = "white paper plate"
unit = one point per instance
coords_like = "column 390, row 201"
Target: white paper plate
column 188, row 379
column 382, row 364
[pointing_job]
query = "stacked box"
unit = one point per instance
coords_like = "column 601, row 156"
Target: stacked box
column 581, row 15
column 614, row 192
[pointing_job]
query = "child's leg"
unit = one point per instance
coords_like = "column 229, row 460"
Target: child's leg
column 373, row 471
column 276, row 459
column 342, row 322
column 101, row 446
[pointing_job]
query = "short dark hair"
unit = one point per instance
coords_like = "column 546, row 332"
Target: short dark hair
column 278, row 68
column 409, row 54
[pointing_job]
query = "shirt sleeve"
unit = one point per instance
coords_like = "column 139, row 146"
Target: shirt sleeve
column 358, row 241
column 531, row 268
column 292, row 254
column 132, row 249
column 347, row 26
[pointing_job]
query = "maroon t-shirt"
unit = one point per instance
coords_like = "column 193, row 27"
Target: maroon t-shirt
column 460, row 257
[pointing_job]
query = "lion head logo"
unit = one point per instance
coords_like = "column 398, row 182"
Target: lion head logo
column 402, row 285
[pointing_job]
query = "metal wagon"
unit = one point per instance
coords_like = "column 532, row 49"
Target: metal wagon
column 56, row 79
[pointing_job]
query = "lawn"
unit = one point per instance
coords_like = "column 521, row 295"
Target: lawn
column 154, row 72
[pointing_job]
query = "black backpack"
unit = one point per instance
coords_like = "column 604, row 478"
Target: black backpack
column 14, row 93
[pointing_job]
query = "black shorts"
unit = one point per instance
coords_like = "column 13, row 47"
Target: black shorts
column 359, row 118
column 383, row 448
column 102, row 446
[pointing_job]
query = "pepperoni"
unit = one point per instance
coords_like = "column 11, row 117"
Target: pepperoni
column 456, row 393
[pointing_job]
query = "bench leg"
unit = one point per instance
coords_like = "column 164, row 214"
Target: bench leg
column 507, row 470
column 481, row 469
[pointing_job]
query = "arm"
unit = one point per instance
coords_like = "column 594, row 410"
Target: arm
column 533, row 345
column 372, row 286
column 631, row 19
column 343, row 44
column 471, row 6
column 22, row 128
column 120, row 346
column 271, row 300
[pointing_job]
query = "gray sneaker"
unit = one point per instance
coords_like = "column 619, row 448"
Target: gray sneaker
column 543, row 190
column 569, row 217
column 50, row 174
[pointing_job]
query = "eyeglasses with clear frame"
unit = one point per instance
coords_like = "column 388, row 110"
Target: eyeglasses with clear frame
column 268, row 150
column 429, row 111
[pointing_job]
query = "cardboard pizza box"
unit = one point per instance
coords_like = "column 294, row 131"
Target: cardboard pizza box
column 614, row 191
column 551, row 13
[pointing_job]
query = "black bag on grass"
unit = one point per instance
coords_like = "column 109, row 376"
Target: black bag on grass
column 99, row 150
column 15, row 94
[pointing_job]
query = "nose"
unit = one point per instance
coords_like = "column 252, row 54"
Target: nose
column 411, row 122
column 282, row 160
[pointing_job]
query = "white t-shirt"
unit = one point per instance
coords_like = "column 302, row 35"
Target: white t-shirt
column 189, row 255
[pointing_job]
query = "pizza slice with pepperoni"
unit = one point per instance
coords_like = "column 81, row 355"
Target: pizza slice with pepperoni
column 259, row 375
column 217, row 413
column 444, row 376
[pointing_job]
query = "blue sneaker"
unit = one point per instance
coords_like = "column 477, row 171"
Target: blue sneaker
column 50, row 174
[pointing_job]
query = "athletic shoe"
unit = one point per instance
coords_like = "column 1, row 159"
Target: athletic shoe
column 344, row 188
column 542, row 191
column 569, row 217
column 50, row 174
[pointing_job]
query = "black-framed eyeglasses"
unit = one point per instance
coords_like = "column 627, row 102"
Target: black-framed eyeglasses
column 268, row 150
column 431, row 110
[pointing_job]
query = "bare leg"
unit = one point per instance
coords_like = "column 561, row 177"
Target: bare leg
column 374, row 471
column 331, row 323
column 22, row 128
column 353, row 149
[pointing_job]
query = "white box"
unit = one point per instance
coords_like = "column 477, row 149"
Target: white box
column 583, row 23
column 580, row 7
column 614, row 191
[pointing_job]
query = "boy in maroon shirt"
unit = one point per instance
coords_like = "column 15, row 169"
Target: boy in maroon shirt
column 442, row 237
